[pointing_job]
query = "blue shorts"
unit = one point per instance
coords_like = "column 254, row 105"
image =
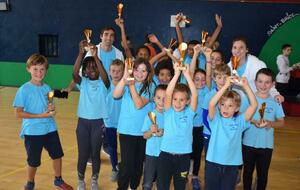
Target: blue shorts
column 34, row 145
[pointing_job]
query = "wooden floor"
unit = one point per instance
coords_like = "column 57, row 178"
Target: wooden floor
column 284, row 172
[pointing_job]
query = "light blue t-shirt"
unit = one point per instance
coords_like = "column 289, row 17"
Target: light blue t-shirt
column 34, row 99
column 153, row 143
column 188, row 60
column 242, row 68
column 263, row 137
column 207, row 98
column 131, row 119
column 113, row 108
column 198, row 119
column 107, row 58
column 225, row 144
column 178, row 131
column 92, row 96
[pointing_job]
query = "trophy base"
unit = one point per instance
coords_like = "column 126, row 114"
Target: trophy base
column 87, row 48
column 130, row 79
column 182, row 68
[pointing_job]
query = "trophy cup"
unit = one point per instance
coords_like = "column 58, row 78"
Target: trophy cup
column 235, row 61
column 186, row 19
column 182, row 49
column 262, row 112
column 120, row 9
column 204, row 38
column 88, row 35
column 152, row 117
column 130, row 64
column 50, row 101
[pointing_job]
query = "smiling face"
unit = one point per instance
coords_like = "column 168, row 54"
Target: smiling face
column 264, row 84
column 143, row 53
column 179, row 100
column 140, row 73
column 216, row 59
column 239, row 49
column 199, row 80
column 37, row 72
column 164, row 76
column 108, row 37
column 92, row 71
column 159, row 99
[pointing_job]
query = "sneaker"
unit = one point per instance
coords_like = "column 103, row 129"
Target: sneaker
column 94, row 185
column 81, row 185
column 196, row 184
column 114, row 176
column 29, row 185
column 62, row 185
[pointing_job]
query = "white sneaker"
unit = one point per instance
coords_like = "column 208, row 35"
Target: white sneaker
column 81, row 185
column 94, row 185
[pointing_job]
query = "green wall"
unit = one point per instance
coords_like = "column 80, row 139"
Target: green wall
column 15, row 74
column 288, row 33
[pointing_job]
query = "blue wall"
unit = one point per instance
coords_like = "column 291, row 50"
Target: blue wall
column 20, row 26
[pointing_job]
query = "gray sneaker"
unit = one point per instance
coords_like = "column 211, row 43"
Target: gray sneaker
column 81, row 185
column 114, row 176
column 94, row 185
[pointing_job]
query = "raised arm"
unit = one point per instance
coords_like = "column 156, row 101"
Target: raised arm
column 253, row 103
column 194, row 94
column 120, row 23
column 153, row 39
column 171, row 86
column 119, row 89
column 217, row 31
column 215, row 99
column 193, row 66
column 138, row 100
column 207, row 54
column 76, row 68
column 102, row 71
column 178, row 19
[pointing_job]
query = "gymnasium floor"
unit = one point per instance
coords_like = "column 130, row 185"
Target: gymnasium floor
column 284, row 172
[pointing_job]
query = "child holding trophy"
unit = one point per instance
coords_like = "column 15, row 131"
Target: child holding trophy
column 34, row 104
column 258, row 140
column 224, row 154
column 111, row 122
column 136, row 95
column 176, row 146
column 153, row 132
column 91, row 111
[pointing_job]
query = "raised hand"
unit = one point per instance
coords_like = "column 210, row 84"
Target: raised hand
column 152, row 38
column 197, row 48
column 94, row 50
column 178, row 18
column 218, row 20
column 119, row 22
column 207, row 52
column 82, row 44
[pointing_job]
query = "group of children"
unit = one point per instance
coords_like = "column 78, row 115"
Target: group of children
column 209, row 108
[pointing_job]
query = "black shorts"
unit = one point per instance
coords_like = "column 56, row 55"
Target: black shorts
column 34, row 145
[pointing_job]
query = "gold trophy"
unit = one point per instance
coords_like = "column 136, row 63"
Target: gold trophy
column 182, row 49
column 262, row 112
column 204, row 38
column 152, row 117
column 186, row 19
column 130, row 64
column 235, row 61
column 50, row 101
column 88, row 35
column 120, row 9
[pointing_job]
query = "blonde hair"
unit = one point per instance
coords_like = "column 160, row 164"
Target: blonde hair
column 37, row 59
column 222, row 69
column 231, row 94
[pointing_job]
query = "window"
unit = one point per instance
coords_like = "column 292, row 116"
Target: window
column 48, row 45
